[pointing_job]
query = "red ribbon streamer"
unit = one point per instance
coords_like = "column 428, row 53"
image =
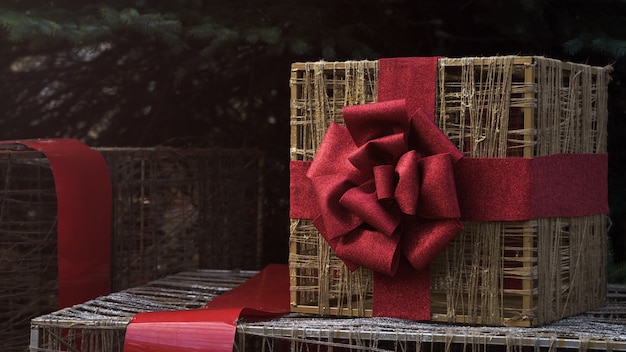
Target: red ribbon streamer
column 83, row 189
column 212, row 328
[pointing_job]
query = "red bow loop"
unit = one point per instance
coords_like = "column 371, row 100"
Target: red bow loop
column 438, row 199
column 385, row 182
column 366, row 125
column 385, row 150
column 363, row 202
column 380, row 199
column 407, row 191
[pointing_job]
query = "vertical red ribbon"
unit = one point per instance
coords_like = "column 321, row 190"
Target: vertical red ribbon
column 413, row 79
column 83, row 189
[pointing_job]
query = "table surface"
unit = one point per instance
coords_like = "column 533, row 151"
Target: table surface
column 599, row 329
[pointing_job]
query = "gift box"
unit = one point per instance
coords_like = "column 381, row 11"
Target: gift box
column 46, row 259
column 523, row 257
column 171, row 210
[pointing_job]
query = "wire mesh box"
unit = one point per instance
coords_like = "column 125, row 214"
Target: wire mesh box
column 28, row 261
column 100, row 325
column 522, row 273
column 173, row 210
column 183, row 209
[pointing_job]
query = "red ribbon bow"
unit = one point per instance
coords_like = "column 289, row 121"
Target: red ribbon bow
column 386, row 190
column 385, row 187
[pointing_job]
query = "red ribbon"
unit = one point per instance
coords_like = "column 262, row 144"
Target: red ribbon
column 503, row 189
column 213, row 327
column 83, row 189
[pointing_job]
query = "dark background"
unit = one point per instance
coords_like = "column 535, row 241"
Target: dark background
column 216, row 73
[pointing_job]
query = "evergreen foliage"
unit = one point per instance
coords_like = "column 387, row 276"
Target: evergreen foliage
column 215, row 73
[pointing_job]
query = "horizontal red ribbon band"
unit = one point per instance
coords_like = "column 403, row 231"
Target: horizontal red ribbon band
column 83, row 189
column 504, row 189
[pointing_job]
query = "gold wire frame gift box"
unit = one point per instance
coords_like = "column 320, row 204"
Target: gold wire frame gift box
column 524, row 273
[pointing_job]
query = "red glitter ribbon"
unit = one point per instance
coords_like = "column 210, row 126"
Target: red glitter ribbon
column 212, row 328
column 83, row 189
column 503, row 189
